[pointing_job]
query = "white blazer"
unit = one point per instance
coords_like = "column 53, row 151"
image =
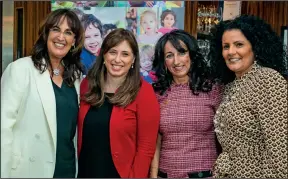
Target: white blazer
column 28, row 122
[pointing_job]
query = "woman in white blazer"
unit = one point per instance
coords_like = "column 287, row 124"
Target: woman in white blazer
column 39, row 103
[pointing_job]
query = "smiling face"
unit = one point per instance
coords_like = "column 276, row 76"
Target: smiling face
column 149, row 23
column 93, row 39
column 146, row 62
column 169, row 21
column 178, row 63
column 118, row 60
column 60, row 40
column 237, row 52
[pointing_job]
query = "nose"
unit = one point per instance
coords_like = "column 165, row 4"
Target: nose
column 231, row 51
column 176, row 59
column 61, row 36
column 118, row 58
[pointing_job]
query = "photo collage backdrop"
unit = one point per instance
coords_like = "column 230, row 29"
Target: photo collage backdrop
column 148, row 20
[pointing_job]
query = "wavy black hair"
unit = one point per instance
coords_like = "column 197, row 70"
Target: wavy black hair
column 198, row 72
column 72, row 62
column 267, row 46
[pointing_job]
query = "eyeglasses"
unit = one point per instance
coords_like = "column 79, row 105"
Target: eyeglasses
column 66, row 33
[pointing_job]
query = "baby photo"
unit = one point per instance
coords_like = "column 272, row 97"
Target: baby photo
column 168, row 19
column 146, row 62
column 148, row 26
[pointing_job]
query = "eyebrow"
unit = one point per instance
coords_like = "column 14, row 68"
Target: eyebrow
column 167, row 53
column 238, row 41
column 125, row 52
column 56, row 26
column 121, row 51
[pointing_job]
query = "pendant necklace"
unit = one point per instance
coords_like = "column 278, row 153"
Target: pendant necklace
column 56, row 71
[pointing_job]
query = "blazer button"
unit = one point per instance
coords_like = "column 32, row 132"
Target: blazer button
column 115, row 155
column 37, row 136
column 32, row 159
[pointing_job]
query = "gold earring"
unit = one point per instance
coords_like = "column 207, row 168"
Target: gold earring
column 104, row 63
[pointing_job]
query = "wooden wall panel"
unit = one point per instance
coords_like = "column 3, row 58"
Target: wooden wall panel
column 274, row 12
column 190, row 20
column 34, row 13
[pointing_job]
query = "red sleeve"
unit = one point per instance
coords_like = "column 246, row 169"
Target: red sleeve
column 83, row 87
column 83, row 90
column 148, row 118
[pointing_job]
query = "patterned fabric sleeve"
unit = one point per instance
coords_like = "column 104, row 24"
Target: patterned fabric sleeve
column 216, row 95
column 161, row 99
column 273, row 118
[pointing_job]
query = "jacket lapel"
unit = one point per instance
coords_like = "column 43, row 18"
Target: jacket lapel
column 47, row 96
column 77, row 86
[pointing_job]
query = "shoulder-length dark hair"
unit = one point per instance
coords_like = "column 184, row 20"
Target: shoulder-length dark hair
column 198, row 72
column 96, row 77
column 267, row 46
column 72, row 61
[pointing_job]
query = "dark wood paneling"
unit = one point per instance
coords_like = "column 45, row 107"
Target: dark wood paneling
column 190, row 20
column 34, row 13
column 273, row 12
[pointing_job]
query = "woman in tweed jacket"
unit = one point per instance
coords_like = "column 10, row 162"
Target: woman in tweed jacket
column 186, row 145
column 251, row 121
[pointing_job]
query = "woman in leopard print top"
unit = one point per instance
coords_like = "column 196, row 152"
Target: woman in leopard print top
column 251, row 122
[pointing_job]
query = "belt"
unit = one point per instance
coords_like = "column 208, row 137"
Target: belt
column 201, row 174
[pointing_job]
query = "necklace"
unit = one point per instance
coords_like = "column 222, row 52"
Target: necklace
column 56, row 71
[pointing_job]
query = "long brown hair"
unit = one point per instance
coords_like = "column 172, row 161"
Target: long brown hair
column 72, row 61
column 96, row 77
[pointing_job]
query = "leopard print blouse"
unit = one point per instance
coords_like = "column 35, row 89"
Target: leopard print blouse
column 251, row 125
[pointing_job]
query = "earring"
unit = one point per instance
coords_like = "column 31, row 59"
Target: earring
column 104, row 63
column 72, row 48
column 132, row 66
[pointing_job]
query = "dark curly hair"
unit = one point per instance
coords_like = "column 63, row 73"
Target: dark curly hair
column 267, row 46
column 72, row 63
column 198, row 72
